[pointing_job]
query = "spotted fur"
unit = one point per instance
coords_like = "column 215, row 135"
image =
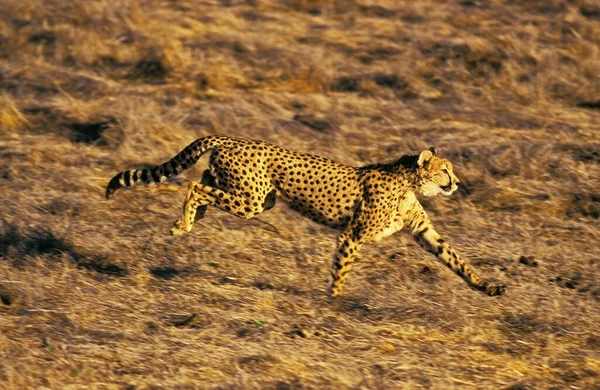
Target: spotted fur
column 365, row 204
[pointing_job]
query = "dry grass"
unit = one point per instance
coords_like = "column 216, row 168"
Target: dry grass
column 96, row 294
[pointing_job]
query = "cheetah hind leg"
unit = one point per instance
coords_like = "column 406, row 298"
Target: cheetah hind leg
column 200, row 195
column 192, row 204
column 209, row 180
column 199, row 210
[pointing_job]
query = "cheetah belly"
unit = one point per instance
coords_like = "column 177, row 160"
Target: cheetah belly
column 326, row 198
column 395, row 225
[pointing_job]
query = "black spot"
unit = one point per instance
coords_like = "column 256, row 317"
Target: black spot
column 528, row 260
column 593, row 105
column 151, row 69
column 91, row 132
column 347, row 84
column 155, row 174
column 390, row 81
column 127, row 178
column 312, row 122
column 165, row 272
column 377, row 11
column 6, row 299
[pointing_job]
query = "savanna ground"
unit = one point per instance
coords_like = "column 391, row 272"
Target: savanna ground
column 96, row 294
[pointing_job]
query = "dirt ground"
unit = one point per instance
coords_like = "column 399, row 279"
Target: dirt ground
column 96, row 294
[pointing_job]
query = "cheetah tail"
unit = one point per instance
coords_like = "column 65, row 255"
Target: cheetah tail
column 182, row 161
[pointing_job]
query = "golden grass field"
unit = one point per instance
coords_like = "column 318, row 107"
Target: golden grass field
column 96, row 294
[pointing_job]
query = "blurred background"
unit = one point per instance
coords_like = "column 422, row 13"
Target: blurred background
column 95, row 293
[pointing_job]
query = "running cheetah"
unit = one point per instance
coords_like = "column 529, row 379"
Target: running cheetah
column 365, row 204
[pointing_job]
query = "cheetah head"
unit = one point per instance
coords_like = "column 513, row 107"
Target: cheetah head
column 435, row 174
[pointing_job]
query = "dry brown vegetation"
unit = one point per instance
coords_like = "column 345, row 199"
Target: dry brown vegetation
column 95, row 293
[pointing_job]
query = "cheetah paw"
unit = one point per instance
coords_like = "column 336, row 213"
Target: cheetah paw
column 179, row 228
column 492, row 289
column 334, row 292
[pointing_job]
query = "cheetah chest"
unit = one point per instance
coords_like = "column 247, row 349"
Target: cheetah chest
column 396, row 224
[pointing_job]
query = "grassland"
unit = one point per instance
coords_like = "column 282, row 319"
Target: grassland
column 96, row 294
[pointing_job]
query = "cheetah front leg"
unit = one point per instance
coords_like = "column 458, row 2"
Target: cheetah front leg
column 430, row 240
column 359, row 230
column 346, row 251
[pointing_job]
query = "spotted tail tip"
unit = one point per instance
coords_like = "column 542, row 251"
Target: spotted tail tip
column 113, row 185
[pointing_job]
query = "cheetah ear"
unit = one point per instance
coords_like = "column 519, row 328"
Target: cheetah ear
column 433, row 150
column 425, row 156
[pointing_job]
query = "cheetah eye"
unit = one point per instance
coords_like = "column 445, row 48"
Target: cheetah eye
column 445, row 171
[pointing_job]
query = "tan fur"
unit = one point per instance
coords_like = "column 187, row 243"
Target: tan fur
column 365, row 204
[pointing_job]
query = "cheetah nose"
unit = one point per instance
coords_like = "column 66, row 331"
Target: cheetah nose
column 457, row 182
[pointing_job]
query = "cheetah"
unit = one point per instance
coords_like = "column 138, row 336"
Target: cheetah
column 365, row 204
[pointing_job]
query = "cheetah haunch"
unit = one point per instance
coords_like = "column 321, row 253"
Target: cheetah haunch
column 365, row 204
